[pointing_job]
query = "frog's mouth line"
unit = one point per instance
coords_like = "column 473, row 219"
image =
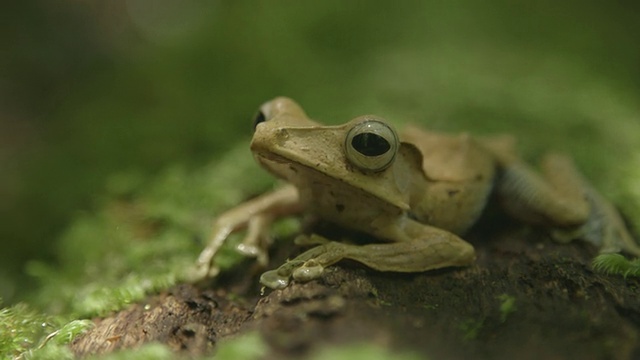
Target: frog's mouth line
column 281, row 167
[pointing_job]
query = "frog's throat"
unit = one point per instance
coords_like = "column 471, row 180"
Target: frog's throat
column 281, row 166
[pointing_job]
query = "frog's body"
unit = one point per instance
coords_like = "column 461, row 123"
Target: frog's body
column 415, row 192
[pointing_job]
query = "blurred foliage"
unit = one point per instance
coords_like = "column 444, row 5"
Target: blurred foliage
column 245, row 347
column 146, row 236
column 363, row 352
column 150, row 351
column 123, row 124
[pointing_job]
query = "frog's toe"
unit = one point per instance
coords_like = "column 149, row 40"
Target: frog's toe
column 308, row 271
column 248, row 250
column 310, row 240
column 274, row 279
column 213, row 271
column 617, row 239
column 566, row 235
column 257, row 252
column 200, row 272
column 604, row 228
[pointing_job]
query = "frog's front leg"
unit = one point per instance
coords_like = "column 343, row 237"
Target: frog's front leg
column 562, row 201
column 419, row 248
column 254, row 215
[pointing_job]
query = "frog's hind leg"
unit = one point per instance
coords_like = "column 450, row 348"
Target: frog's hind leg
column 606, row 228
column 556, row 199
column 424, row 249
column 563, row 201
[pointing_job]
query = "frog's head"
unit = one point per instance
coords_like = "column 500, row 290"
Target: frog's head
column 364, row 153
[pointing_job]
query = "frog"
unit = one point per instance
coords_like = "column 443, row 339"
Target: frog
column 416, row 192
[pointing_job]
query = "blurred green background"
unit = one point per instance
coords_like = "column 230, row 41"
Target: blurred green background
column 89, row 89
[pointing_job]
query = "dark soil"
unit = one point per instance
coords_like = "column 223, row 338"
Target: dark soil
column 526, row 298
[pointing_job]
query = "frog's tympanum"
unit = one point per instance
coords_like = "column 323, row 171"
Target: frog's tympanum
column 416, row 192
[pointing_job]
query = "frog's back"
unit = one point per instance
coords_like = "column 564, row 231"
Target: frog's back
column 459, row 175
column 447, row 157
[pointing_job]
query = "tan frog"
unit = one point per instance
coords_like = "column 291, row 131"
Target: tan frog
column 416, row 192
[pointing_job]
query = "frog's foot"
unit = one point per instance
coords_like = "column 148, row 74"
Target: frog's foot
column 254, row 244
column 424, row 248
column 310, row 240
column 308, row 271
column 274, row 280
column 299, row 271
column 200, row 271
column 255, row 216
column 280, row 277
column 257, row 240
column 604, row 228
column 307, row 266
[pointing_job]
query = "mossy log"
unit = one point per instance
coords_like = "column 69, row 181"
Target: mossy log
column 525, row 297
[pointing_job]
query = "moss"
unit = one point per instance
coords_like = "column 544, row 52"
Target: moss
column 507, row 306
column 146, row 236
column 28, row 334
column 471, row 328
column 20, row 329
column 616, row 264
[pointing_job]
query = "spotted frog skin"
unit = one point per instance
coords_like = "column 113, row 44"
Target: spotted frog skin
column 417, row 192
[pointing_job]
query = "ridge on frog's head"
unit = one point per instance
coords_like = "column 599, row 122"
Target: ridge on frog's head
column 361, row 154
column 280, row 107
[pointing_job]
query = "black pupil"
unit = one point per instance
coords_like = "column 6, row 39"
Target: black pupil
column 370, row 144
column 258, row 119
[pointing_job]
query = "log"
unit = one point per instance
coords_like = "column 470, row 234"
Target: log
column 526, row 297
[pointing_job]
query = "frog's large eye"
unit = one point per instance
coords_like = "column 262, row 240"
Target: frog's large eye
column 371, row 145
